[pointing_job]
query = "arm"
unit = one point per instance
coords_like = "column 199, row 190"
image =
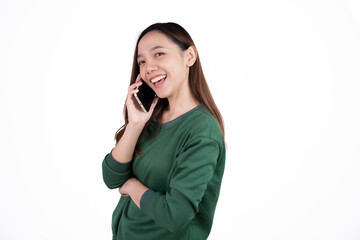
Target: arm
column 174, row 209
column 137, row 118
column 114, row 173
column 133, row 188
column 124, row 149
column 117, row 164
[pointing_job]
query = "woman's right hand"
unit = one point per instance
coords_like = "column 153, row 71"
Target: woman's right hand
column 135, row 112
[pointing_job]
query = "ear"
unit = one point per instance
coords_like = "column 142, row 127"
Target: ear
column 190, row 56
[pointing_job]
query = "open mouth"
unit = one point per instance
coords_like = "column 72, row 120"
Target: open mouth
column 158, row 80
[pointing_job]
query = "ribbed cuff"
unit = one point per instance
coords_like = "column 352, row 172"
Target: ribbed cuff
column 117, row 166
column 144, row 199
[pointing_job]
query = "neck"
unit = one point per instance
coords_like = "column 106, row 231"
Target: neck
column 179, row 104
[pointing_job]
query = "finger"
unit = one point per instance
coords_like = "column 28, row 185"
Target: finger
column 132, row 92
column 122, row 194
column 134, row 86
column 138, row 78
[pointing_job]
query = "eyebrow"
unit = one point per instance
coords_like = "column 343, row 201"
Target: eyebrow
column 152, row 49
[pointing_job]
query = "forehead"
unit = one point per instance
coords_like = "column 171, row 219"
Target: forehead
column 152, row 40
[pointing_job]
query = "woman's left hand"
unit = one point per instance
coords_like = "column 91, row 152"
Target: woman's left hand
column 133, row 188
column 124, row 190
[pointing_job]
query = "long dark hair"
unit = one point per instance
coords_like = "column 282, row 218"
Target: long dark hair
column 197, row 82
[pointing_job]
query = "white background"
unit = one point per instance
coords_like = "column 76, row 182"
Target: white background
column 285, row 75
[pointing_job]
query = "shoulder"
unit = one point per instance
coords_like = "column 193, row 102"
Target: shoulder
column 203, row 124
column 201, row 133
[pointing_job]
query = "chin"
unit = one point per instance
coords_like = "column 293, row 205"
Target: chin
column 162, row 95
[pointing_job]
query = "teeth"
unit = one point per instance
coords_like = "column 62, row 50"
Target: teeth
column 158, row 78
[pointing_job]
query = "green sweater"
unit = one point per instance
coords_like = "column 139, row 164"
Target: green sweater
column 183, row 167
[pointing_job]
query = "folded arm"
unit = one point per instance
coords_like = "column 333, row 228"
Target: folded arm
column 175, row 208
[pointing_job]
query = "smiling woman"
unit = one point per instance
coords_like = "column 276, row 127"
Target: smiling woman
column 166, row 67
column 168, row 162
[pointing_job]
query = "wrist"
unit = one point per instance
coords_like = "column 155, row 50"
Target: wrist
column 136, row 125
column 136, row 190
column 131, row 183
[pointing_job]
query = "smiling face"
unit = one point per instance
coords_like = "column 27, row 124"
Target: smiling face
column 163, row 65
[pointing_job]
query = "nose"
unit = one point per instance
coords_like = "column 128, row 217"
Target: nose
column 150, row 67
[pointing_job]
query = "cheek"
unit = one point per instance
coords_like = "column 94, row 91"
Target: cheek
column 171, row 66
column 142, row 73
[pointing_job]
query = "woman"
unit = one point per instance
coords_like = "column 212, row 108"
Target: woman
column 167, row 163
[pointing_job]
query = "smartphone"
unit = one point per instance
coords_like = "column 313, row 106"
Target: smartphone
column 145, row 96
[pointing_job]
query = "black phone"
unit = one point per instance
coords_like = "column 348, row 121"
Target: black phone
column 145, row 96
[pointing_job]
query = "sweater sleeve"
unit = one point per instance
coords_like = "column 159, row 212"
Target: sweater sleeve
column 194, row 169
column 115, row 174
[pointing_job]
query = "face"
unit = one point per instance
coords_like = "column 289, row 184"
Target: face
column 163, row 65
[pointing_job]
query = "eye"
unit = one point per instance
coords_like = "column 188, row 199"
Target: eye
column 141, row 62
column 159, row 54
